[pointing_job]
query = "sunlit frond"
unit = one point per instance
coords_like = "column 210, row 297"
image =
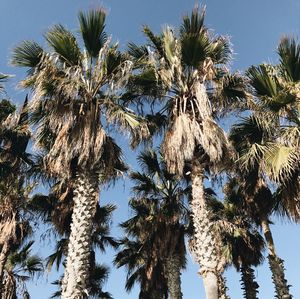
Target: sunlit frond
column 280, row 160
column 64, row 44
column 263, row 80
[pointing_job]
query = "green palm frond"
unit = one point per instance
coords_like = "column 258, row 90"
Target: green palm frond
column 33, row 265
column 138, row 52
column 197, row 45
column 22, row 261
column 193, row 24
column 195, row 49
column 92, row 25
column 3, row 78
column 155, row 40
column 148, row 161
column 221, row 52
column 230, row 93
column 64, row 43
column 144, row 183
column 27, row 54
column 256, row 128
column 289, row 55
column 144, row 87
column 263, row 80
column 57, row 256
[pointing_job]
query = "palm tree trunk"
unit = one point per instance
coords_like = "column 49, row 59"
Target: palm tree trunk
column 3, row 258
column 75, row 283
column 222, row 287
column 204, row 247
column 9, row 287
column 249, row 285
column 173, row 276
column 276, row 264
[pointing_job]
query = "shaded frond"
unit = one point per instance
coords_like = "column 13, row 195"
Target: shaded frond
column 27, row 54
column 92, row 25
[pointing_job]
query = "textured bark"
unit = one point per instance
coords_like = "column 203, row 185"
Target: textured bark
column 203, row 245
column 276, row 264
column 222, row 288
column 173, row 267
column 249, row 285
column 76, row 278
column 3, row 258
column 9, row 287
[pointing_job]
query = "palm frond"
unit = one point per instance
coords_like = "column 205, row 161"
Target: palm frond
column 280, row 161
column 155, row 40
column 138, row 52
column 57, row 256
column 3, row 78
column 64, row 44
column 92, row 25
column 193, row 24
column 27, row 54
column 289, row 55
column 263, row 80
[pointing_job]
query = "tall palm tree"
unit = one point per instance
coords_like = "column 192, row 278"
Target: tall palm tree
column 275, row 88
column 188, row 74
column 158, row 226
column 243, row 244
column 240, row 242
column 77, row 91
column 20, row 267
column 56, row 210
column 14, row 161
column 255, row 195
column 98, row 276
column 142, row 269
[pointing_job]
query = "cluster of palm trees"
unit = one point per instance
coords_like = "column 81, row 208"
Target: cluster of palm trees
column 173, row 90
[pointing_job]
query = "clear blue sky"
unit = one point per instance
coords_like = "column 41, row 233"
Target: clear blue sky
column 254, row 27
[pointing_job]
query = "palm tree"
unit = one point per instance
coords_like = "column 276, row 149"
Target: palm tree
column 56, row 210
column 77, row 92
column 14, row 161
column 256, row 197
column 98, row 276
column 240, row 243
column 158, row 227
column 142, row 269
column 275, row 88
column 243, row 244
column 20, row 266
column 188, row 74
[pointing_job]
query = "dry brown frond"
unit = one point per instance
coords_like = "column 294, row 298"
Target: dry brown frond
column 8, row 228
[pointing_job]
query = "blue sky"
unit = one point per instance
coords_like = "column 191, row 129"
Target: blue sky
column 255, row 28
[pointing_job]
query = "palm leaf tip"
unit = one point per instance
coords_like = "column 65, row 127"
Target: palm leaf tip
column 27, row 54
column 63, row 42
column 92, row 25
column 195, row 23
